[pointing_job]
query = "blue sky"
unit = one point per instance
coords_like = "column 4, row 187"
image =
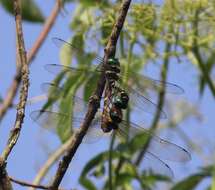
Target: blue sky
column 31, row 150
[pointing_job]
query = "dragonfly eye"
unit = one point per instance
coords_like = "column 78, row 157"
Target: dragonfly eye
column 116, row 114
column 113, row 61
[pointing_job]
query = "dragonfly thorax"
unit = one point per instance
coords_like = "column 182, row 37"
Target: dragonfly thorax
column 112, row 69
column 113, row 62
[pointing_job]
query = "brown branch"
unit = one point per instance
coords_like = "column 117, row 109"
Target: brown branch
column 4, row 179
column 45, row 31
column 94, row 103
column 22, row 59
column 12, row 91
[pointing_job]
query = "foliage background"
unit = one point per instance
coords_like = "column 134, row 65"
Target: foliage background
column 193, row 111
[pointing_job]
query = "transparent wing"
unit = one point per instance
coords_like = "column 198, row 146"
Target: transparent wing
column 61, row 69
column 158, row 146
column 53, row 91
column 48, row 120
column 151, row 163
column 75, row 49
column 141, row 103
column 53, row 120
column 142, row 83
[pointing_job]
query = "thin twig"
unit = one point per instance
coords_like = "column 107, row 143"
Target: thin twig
column 14, row 135
column 12, row 91
column 50, row 162
column 26, row 184
column 45, row 31
column 94, row 103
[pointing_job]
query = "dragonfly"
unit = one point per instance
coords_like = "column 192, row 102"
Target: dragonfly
column 137, row 83
column 157, row 150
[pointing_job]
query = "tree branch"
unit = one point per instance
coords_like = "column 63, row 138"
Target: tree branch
column 12, row 91
column 94, row 103
column 22, row 59
column 4, row 179
column 45, row 31
column 26, row 184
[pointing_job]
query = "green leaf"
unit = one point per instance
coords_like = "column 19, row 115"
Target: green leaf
column 53, row 94
column 94, row 3
column 90, row 86
column 30, row 11
column 87, row 184
column 67, row 53
column 189, row 183
column 88, row 3
column 124, row 178
column 98, row 159
column 99, row 171
column 66, row 105
column 135, row 144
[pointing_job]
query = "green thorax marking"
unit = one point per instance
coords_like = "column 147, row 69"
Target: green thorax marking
column 113, row 62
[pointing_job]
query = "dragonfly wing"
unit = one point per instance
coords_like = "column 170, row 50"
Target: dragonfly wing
column 51, row 89
column 167, row 150
column 150, row 162
column 72, row 71
column 153, row 164
column 52, row 120
column 48, row 119
column 140, row 103
column 158, row 146
column 94, row 132
column 54, row 91
column 143, row 83
column 76, row 49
